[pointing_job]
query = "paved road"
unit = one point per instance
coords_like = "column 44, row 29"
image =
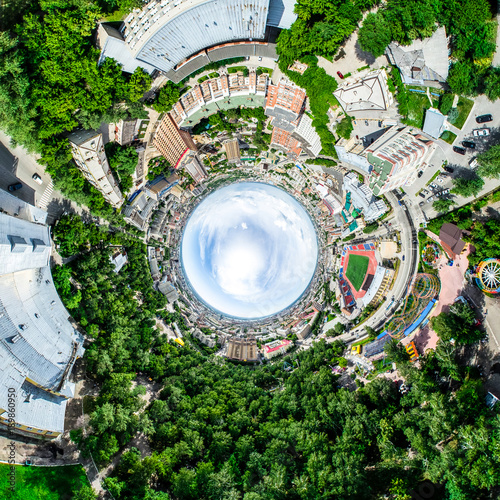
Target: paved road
column 17, row 165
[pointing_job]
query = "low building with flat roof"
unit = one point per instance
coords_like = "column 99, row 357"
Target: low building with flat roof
column 242, row 349
column 232, row 148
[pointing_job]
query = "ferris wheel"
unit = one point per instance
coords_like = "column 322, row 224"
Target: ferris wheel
column 488, row 275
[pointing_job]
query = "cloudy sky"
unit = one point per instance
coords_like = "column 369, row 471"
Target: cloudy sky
column 249, row 250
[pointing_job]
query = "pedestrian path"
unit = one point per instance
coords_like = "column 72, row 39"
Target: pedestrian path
column 46, row 196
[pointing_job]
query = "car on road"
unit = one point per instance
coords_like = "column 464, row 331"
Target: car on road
column 449, row 169
column 379, row 124
column 340, row 75
column 366, row 123
column 469, row 144
column 484, row 118
column 15, row 187
column 459, row 150
column 37, row 179
column 420, row 174
column 403, row 258
column 481, row 132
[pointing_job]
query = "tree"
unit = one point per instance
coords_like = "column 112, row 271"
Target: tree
column 462, row 78
column 375, row 34
column 138, row 84
column 491, row 84
column 169, row 94
column 489, row 162
column 467, row 187
column 443, row 204
column 85, row 493
column 372, row 334
column 339, row 328
column 344, row 128
column 396, row 351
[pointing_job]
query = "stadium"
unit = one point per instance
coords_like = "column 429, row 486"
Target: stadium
column 362, row 278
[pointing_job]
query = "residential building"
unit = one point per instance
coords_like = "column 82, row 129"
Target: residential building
column 125, row 131
column 161, row 186
column 232, row 149
column 195, row 168
column 242, row 349
column 434, row 123
column 87, row 148
column 396, row 158
column 366, row 91
column 307, row 135
column 172, row 142
column 423, row 62
column 173, row 37
column 361, row 197
column 350, row 151
column 39, row 342
column 284, row 140
column 276, row 348
column 138, row 210
column 167, row 289
column 119, row 259
column 208, row 340
column 284, row 103
column 222, row 92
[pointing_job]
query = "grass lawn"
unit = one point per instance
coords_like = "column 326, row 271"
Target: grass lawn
column 117, row 15
column 448, row 136
column 464, row 107
column 42, row 483
column 356, row 270
column 417, row 105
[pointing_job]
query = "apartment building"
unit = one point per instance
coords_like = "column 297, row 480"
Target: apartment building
column 87, row 148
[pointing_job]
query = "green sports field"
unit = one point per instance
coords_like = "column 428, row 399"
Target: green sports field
column 356, row 270
column 42, row 483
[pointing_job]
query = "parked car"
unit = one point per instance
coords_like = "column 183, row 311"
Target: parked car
column 449, row 169
column 473, row 163
column 340, row 75
column 15, row 187
column 37, row 178
column 425, row 191
column 440, row 180
column 481, row 132
column 469, row 144
column 430, row 199
column 446, row 191
column 421, row 194
column 420, row 173
column 421, row 204
column 459, row 150
column 484, row 118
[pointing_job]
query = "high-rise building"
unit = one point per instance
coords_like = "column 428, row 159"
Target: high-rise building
column 284, row 140
column 39, row 344
column 307, row 135
column 88, row 152
column 172, row 142
column 396, row 158
column 194, row 167
column 284, row 103
column 232, row 148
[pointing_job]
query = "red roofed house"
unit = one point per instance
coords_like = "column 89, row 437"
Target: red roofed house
column 276, row 348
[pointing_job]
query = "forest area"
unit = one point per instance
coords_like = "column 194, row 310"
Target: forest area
column 222, row 431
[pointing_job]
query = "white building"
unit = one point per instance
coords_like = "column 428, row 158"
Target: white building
column 38, row 343
column 362, row 198
column 171, row 35
column 366, row 91
column 88, row 152
column 424, row 62
column 396, row 158
column 307, row 135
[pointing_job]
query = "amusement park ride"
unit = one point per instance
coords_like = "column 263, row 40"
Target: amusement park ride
column 487, row 275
